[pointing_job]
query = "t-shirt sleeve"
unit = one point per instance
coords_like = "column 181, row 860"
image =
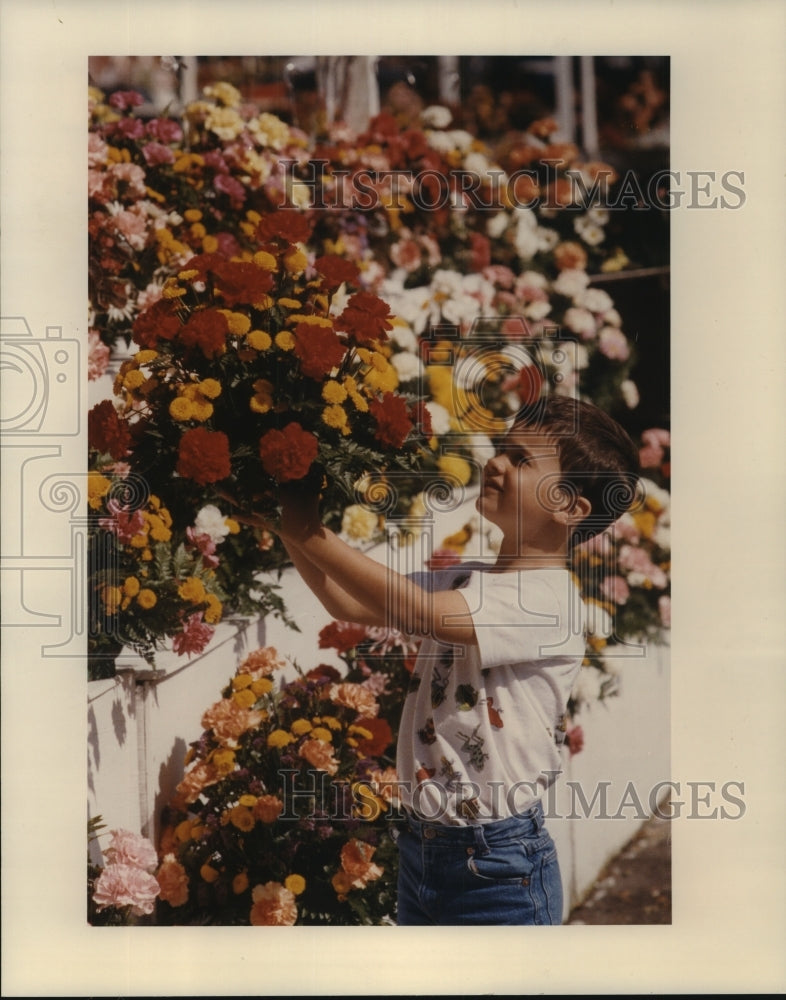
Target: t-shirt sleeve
column 518, row 619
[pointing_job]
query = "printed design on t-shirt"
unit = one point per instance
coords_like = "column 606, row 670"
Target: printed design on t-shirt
column 439, row 683
column 468, row 808
column 473, row 747
column 466, row 697
column 561, row 730
column 495, row 716
column 428, row 733
column 424, row 773
column 450, row 774
column 460, row 581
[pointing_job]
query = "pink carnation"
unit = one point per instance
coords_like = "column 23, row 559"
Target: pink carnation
column 194, row 637
column 319, row 755
column 156, row 153
column 126, row 885
column 122, row 522
column 616, row 589
column 575, row 740
column 229, row 721
column 262, row 662
column 97, row 356
column 274, row 905
column 127, row 848
column 355, row 696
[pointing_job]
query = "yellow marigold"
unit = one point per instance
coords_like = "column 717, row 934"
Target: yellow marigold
column 192, row 214
column 172, row 290
column 262, row 400
column 295, row 883
column 232, row 524
column 456, row 467
column 279, row 738
column 192, row 589
column 311, row 320
column 333, row 392
column 197, row 230
column 245, row 698
column 342, row 883
column 382, row 381
column 97, row 488
column 263, row 686
column 240, row 681
column 247, row 800
column 295, row 261
column 181, row 408
column 134, row 379
column 334, row 416
column 351, row 386
column 242, row 818
column 214, row 610
column 183, row 831
column 265, row 260
column 285, row 341
column 364, row 734
column 131, row 586
column 202, row 410
column 301, row 726
column 139, row 541
column 238, row 322
column 240, row 883
column 112, row 597
column 159, row 532
column 224, row 93
column 288, row 303
column 331, row 722
column 146, row 599
column 268, row 808
column 210, row 387
column 210, row 244
column 224, row 760
column 259, row 340
column 320, row 733
column 208, row 873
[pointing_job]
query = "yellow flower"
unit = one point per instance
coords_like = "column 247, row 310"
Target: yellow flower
column 333, row 392
column 295, row 883
column 240, row 681
column 112, row 597
column 238, row 322
column 240, row 883
column 262, row 401
column 192, row 215
column 242, row 818
column 331, row 722
column 364, row 734
column 455, row 467
column 261, row 687
column 97, row 488
column 285, row 341
column 334, row 416
column 279, row 738
column 245, row 698
column 248, row 800
column 146, row 599
column 320, row 733
column 208, row 873
column 183, row 831
column 192, row 589
column 265, row 260
column 131, row 586
column 295, row 261
column 301, row 726
column 181, row 408
column 288, row 303
column 159, row 532
column 198, row 231
column 214, row 610
column 210, row 244
column 259, row 340
column 210, row 388
column 232, row 524
column 311, row 320
column 224, row 760
column 134, row 379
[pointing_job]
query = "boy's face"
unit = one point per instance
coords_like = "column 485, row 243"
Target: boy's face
column 518, row 486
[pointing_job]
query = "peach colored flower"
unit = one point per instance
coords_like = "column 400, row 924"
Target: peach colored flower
column 319, row 755
column 195, row 780
column 274, row 906
column 261, row 662
column 268, row 808
column 127, row 848
column 173, row 881
column 229, row 721
column 355, row 696
column 356, row 861
column 570, row 256
column 97, row 356
column 126, row 885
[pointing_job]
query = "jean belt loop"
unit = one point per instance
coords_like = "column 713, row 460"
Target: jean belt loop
column 481, row 846
column 538, row 817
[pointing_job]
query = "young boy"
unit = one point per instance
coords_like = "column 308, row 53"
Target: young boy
column 481, row 724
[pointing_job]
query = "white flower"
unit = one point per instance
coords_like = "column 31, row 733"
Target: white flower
column 526, row 242
column 599, row 216
column 408, row 366
column 403, row 337
column 537, row 310
column 612, row 318
column 359, row 524
column 440, row 418
column 590, row 233
column 441, row 141
column 477, row 163
column 580, row 321
column 436, row 116
column 548, row 238
column 612, row 665
column 483, row 449
column 462, row 140
column 497, row 225
column 571, row 282
column 210, row 521
column 461, row 310
column 630, row 394
column 300, row 194
column 587, row 687
column 594, row 299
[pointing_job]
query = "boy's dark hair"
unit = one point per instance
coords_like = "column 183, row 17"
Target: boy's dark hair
column 598, row 459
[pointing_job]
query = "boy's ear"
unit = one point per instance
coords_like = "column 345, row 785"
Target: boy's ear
column 575, row 510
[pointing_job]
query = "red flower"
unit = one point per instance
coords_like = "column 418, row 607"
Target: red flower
column 575, row 740
column 286, row 224
column 324, row 672
column 342, row 636
column 106, row 432
column 392, row 419
column 206, row 329
column 529, row 385
column 381, row 737
column 194, row 637
column 365, row 318
column 335, row 270
column 203, row 456
column 239, row 281
column 288, row 454
column 318, row 348
column 158, row 322
column 421, row 417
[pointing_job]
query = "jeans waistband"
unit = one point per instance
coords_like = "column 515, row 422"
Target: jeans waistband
column 481, row 835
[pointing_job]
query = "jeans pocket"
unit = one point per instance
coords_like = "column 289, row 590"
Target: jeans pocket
column 512, row 862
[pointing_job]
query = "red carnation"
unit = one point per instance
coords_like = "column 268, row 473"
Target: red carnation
column 380, row 740
column 335, row 270
column 288, row 454
column 392, row 419
column 285, row 224
column 242, row 282
column 529, row 385
column 158, row 322
column 106, row 432
column 342, row 636
column 421, row 417
column 318, row 349
column 365, row 318
column 203, row 456
column 206, row 329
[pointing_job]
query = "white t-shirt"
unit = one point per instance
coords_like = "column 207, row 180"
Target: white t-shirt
column 482, row 725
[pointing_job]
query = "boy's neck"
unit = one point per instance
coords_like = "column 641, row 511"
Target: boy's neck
column 511, row 560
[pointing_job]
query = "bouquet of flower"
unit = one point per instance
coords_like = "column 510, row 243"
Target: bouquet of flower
column 283, row 814
column 124, row 891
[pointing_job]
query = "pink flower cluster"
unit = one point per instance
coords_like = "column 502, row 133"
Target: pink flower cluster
column 126, row 881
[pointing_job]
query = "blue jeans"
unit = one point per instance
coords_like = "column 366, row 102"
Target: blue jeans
column 504, row 872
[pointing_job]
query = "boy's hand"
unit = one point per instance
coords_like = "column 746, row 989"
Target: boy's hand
column 299, row 513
